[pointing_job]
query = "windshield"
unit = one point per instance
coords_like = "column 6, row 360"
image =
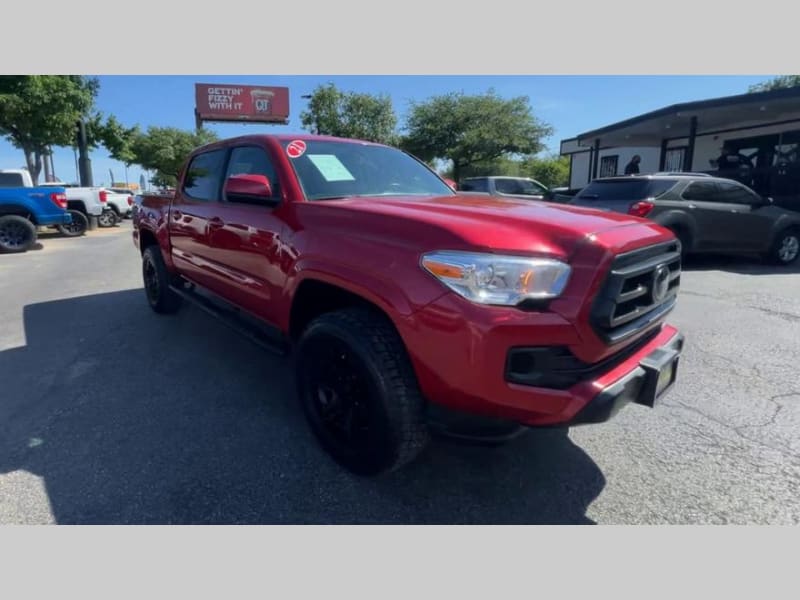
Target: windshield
column 328, row 170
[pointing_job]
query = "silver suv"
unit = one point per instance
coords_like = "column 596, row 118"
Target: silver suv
column 707, row 214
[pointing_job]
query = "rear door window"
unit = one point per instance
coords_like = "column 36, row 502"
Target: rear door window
column 508, row 186
column 633, row 190
column 11, row 180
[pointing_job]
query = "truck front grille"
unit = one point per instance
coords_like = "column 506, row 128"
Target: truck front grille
column 641, row 288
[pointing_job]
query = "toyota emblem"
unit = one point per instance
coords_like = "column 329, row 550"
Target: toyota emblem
column 660, row 283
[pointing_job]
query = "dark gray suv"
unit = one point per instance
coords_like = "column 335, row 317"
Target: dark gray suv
column 707, row 214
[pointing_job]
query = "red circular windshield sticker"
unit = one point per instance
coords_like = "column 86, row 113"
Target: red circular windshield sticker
column 296, row 148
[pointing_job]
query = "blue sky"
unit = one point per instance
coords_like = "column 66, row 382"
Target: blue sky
column 570, row 104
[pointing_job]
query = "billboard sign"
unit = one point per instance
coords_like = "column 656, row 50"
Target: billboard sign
column 225, row 102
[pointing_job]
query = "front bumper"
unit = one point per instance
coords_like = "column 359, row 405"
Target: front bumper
column 459, row 354
column 637, row 387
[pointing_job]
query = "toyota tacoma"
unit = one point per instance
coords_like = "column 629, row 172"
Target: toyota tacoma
column 405, row 305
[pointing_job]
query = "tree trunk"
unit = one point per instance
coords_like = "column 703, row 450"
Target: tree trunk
column 34, row 161
column 48, row 175
column 456, row 172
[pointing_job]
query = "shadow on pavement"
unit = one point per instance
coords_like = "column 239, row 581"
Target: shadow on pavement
column 131, row 417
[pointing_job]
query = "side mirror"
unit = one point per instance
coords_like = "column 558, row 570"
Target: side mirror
column 763, row 201
column 254, row 189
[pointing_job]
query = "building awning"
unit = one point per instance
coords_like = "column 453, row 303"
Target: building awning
column 712, row 115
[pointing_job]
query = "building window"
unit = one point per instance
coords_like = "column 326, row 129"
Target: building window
column 608, row 166
column 673, row 159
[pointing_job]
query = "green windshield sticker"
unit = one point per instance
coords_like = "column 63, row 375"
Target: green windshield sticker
column 331, row 167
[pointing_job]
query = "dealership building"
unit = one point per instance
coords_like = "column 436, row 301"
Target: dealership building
column 763, row 127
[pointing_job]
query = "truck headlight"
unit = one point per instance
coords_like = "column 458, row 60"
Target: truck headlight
column 498, row 279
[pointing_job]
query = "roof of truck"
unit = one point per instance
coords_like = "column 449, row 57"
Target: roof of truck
column 288, row 137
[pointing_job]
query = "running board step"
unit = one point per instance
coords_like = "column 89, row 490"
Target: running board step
column 247, row 327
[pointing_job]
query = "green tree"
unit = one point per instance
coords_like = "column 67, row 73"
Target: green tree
column 114, row 137
column 777, row 83
column 351, row 115
column 470, row 130
column 165, row 149
column 40, row 111
column 552, row 171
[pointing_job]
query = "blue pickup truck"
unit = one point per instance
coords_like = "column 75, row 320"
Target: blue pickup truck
column 23, row 209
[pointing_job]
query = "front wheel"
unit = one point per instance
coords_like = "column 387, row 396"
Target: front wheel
column 157, row 280
column 359, row 392
column 786, row 247
column 17, row 234
column 77, row 227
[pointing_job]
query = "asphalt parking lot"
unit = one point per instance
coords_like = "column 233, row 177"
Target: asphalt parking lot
column 112, row 414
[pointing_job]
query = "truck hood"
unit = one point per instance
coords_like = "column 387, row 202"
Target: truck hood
column 495, row 224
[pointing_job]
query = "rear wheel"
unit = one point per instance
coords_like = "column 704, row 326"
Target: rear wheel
column 77, row 227
column 359, row 392
column 157, row 281
column 108, row 218
column 786, row 247
column 17, row 234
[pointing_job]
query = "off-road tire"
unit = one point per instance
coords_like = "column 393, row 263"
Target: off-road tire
column 387, row 394
column 157, row 281
column 78, row 227
column 17, row 234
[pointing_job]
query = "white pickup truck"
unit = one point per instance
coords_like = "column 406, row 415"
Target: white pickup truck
column 92, row 202
column 121, row 200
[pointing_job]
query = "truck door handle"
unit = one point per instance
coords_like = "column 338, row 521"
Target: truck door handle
column 216, row 223
column 691, row 206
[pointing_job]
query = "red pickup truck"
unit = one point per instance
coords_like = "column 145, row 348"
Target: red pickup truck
column 408, row 306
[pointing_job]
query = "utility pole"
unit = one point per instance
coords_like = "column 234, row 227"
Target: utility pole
column 84, row 164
